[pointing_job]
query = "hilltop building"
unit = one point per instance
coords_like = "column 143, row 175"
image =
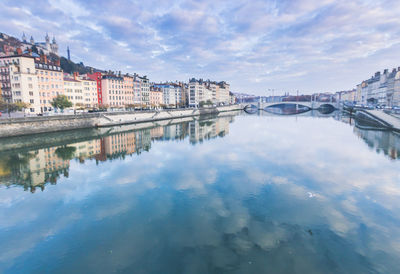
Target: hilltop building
column 45, row 47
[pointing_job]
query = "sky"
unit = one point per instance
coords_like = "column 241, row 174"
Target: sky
column 256, row 46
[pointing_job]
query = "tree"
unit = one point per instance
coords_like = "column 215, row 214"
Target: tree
column 61, row 102
column 79, row 106
column 12, row 107
column 103, row 106
column 21, row 106
column 65, row 152
column 34, row 49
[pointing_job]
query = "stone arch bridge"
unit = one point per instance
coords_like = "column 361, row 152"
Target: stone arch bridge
column 310, row 105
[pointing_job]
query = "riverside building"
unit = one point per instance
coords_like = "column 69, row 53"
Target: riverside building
column 19, row 81
column 73, row 89
column 156, row 97
column 206, row 91
column 381, row 88
column 171, row 94
column 50, row 83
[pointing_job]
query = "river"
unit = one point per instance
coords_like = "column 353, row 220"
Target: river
column 240, row 193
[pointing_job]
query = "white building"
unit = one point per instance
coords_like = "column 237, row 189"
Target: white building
column 171, row 93
column 46, row 47
column 19, row 81
column 207, row 91
column 382, row 88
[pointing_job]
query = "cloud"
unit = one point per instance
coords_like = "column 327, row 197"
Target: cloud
column 308, row 45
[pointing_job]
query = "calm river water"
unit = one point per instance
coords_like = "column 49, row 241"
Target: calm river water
column 236, row 194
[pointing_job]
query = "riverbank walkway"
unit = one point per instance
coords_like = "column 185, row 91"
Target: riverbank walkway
column 391, row 121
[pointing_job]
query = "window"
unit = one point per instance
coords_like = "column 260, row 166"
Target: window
column 31, row 101
column 32, row 109
column 31, row 93
column 30, row 86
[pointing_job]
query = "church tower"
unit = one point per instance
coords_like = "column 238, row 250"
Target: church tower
column 23, row 37
column 32, row 41
column 54, row 46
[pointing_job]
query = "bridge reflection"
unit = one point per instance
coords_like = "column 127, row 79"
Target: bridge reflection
column 290, row 108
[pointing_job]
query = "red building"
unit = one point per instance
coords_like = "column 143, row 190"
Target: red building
column 97, row 77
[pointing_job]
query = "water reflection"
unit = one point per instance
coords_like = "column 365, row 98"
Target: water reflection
column 385, row 141
column 293, row 194
column 287, row 109
column 33, row 169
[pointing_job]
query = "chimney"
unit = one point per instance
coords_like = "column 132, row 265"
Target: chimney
column 43, row 58
column 76, row 74
column 19, row 51
column 58, row 62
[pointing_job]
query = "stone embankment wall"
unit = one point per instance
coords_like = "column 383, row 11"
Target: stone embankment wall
column 33, row 125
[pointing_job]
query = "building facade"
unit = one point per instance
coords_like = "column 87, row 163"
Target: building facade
column 156, row 97
column 19, row 81
column 50, row 84
column 171, row 94
column 45, row 47
column 113, row 91
column 382, row 88
column 145, row 91
column 73, row 89
column 97, row 76
column 89, row 87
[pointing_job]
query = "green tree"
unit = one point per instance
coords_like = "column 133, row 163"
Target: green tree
column 34, row 49
column 12, row 107
column 65, row 152
column 61, row 102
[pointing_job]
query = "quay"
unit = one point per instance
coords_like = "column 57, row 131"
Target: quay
column 378, row 118
column 34, row 125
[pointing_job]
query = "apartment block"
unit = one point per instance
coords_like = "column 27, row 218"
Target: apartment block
column 50, row 84
column 19, row 81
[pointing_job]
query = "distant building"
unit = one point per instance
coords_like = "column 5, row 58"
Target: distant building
column 156, row 97
column 129, row 90
column 381, row 88
column 207, row 91
column 171, row 94
column 45, row 47
column 145, row 91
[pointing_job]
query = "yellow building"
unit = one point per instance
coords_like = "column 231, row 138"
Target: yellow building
column 50, row 84
column 73, row 89
column 89, row 88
